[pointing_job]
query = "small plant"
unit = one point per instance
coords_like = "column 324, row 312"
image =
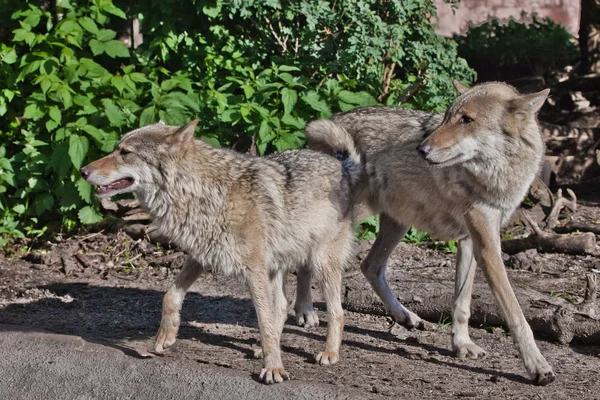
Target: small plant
column 414, row 236
column 368, row 228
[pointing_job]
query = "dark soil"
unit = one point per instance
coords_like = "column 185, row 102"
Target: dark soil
column 108, row 290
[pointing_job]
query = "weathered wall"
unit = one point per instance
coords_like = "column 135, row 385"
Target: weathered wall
column 565, row 12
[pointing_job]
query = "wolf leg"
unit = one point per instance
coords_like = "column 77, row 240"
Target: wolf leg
column 279, row 305
column 305, row 313
column 268, row 317
column 169, row 324
column 331, row 271
column 462, row 344
column 375, row 264
column 484, row 228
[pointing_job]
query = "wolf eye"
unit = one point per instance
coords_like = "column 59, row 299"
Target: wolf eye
column 466, row 119
column 124, row 152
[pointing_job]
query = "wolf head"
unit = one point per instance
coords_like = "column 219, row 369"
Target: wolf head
column 139, row 159
column 486, row 121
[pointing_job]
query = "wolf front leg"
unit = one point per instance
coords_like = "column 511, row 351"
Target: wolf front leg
column 169, row 324
column 262, row 297
column 484, row 228
column 375, row 265
column 462, row 344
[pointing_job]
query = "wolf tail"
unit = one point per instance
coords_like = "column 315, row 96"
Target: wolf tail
column 328, row 137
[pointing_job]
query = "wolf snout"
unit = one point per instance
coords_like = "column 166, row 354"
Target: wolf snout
column 85, row 172
column 424, row 149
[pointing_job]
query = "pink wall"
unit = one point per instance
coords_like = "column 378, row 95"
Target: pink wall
column 565, row 12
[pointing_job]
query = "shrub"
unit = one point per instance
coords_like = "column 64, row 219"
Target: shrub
column 253, row 72
column 504, row 51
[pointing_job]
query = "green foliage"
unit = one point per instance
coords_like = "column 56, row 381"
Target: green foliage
column 504, row 51
column 254, row 73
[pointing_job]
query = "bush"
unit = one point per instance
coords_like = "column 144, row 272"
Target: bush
column 504, row 51
column 253, row 72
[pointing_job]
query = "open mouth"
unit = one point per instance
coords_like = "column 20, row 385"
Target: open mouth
column 114, row 186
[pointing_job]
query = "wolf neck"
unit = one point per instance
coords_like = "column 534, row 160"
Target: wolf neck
column 507, row 175
column 191, row 194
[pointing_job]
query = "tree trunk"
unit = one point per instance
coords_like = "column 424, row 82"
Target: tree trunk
column 589, row 35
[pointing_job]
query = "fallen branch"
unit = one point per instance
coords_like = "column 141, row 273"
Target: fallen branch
column 559, row 203
column 554, row 318
column 550, row 243
column 577, row 227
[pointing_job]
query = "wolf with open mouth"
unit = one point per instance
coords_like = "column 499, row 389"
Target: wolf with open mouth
column 241, row 215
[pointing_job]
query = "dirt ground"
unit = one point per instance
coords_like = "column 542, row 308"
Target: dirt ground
column 108, row 290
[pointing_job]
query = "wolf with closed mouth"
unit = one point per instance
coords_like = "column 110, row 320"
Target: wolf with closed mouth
column 241, row 215
column 460, row 175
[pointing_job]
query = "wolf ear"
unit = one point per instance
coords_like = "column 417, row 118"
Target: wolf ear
column 459, row 87
column 530, row 103
column 178, row 140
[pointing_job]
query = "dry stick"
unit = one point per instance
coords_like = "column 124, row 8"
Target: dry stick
column 591, row 288
column 559, row 203
column 577, row 227
column 551, row 243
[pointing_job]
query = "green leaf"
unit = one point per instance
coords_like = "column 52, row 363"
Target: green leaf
column 288, row 68
column 33, row 112
column 58, row 161
column 358, row 98
column 78, row 148
column 116, row 48
column 88, row 215
column 89, row 25
column 97, row 47
column 104, row 35
column 55, row 114
column 212, row 12
column 295, row 122
column 113, row 113
column 148, row 116
column 19, row 208
column 112, row 9
column 84, row 189
column 93, row 69
column 51, row 125
column 43, row 202
column 314, row 101
column 289, row 97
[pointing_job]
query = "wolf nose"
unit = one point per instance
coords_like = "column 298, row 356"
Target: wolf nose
column 423, row 149
column 85, row 172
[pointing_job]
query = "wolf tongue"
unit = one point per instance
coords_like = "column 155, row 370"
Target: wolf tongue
column 121, row 183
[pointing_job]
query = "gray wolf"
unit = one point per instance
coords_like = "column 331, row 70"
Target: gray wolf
column 240, row 215
column 460, row 175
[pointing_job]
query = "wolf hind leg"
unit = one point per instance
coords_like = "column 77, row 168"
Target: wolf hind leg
column 305, row 313
column 172, row 301
column 330, row 267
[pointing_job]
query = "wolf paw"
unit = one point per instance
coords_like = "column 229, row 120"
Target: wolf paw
column 273, row 375
column 257, row 353
column 327, row 357
column 544, row 378
column 165, row 338
column 469, row 350
column 307, row 317
column 406, row 318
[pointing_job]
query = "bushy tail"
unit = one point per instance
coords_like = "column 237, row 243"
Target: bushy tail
column 328, row 137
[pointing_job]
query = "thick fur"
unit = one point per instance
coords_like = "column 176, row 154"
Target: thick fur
column 241, row 215
column 457, row 176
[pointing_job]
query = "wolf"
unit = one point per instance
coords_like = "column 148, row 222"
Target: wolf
column 459, row 175
column 240, row 215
